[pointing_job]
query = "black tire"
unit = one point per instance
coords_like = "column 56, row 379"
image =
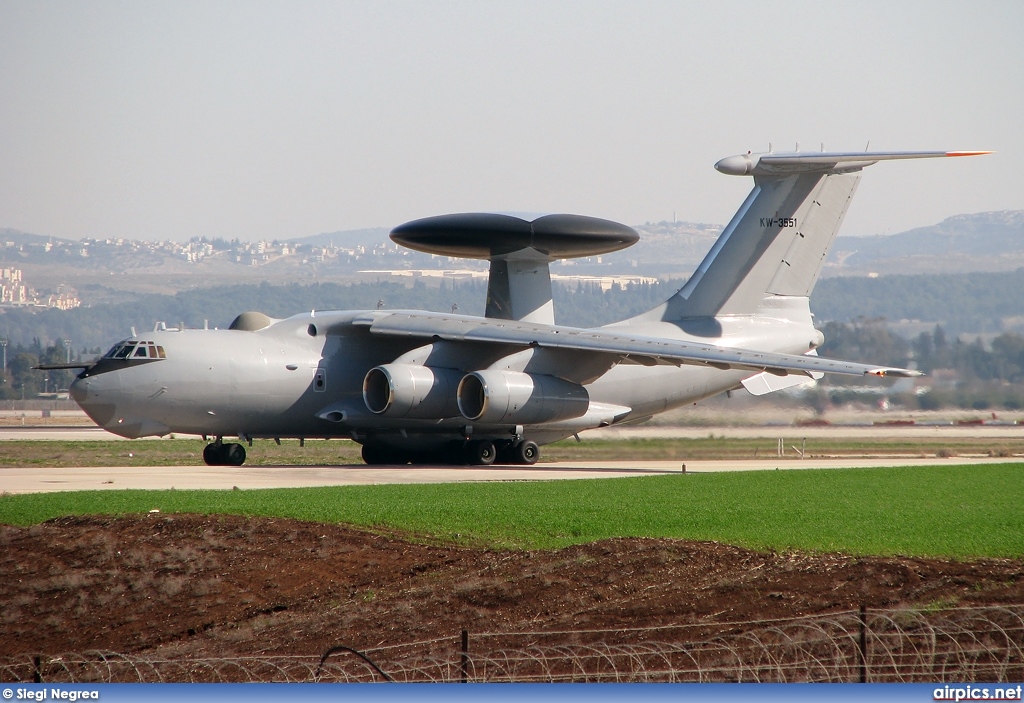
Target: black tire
column 506, row 454
column 399, row 457
column 212, row 455
column 234, row 454
column 481, row 452
column 454, row 454
column 527, row 453
column 373, row 455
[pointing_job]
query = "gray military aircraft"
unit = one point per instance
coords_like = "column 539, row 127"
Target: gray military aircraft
column 413, row 386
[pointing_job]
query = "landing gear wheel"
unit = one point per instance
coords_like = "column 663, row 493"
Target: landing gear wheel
column 420, row 458
column 211, row 454
column 454, row 454
column 374, row 455
column 481, row 452
column 234, row 454
column 218, row 454
column 526, row 453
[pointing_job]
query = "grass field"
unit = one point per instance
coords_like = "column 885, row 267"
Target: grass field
column 959, row 511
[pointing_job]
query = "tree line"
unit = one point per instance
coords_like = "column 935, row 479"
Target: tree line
column 981, row 302
column 965, row 373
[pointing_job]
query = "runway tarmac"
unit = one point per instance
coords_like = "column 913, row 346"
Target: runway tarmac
column 37, row 480
column 41, row 480
column 48, row 480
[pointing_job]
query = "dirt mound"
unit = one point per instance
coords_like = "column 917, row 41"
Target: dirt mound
column 225, row 585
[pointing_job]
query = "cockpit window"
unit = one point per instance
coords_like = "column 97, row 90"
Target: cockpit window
column 121, row 351
column 136, row 350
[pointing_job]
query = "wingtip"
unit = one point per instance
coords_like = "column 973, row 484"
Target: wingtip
column 968, row 153
column 898, row 373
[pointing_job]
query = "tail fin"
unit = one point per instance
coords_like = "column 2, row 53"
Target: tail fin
column 777, row 242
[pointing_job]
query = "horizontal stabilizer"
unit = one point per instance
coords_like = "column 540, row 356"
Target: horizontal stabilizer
column 784, row 164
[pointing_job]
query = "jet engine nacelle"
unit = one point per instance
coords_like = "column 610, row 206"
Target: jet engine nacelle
column 409, row 390
column 494, row 397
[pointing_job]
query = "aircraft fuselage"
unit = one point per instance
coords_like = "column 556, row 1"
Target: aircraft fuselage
column 282, row 381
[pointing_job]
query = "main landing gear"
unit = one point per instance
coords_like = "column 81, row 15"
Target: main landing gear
column 220, row 454
column 478, row 452
column 525, row 453
column 484, row 452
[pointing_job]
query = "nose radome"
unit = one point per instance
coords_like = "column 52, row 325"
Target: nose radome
column 79, row 389
column 100, row 409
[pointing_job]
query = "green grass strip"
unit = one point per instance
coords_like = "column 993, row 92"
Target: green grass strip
column 951, row 511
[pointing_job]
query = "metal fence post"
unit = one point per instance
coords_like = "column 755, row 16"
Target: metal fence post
column 465, row 656
column 863, row 644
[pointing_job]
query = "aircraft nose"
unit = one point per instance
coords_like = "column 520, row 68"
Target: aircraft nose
column 78, row 390
column 97, row 397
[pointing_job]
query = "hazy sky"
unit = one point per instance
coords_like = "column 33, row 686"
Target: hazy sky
column 153, row 120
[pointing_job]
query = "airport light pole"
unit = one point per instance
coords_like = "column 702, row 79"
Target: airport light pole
column 3, row 343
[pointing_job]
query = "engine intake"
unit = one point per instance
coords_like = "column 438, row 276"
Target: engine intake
column 495, row 397
column 408, row 390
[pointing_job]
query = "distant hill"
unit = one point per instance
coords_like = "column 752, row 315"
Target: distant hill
column 347, row 238
column 990, row 241
column 18, row 237
column 985, row 241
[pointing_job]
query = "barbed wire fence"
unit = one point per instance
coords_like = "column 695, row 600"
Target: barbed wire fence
column 956, row 644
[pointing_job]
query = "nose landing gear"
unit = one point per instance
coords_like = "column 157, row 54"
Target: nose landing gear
column 220, row 454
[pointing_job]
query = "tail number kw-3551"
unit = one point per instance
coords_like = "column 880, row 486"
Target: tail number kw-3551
column 779, row 222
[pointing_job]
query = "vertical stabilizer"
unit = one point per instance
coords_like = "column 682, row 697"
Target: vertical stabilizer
column 822, row 216
column 777, row 242
column 774, row 221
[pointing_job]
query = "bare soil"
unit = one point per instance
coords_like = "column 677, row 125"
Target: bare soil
column 190, row 585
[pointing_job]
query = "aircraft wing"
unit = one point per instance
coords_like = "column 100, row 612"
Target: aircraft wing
column 648, row 351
